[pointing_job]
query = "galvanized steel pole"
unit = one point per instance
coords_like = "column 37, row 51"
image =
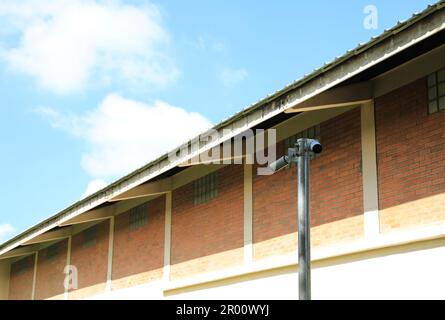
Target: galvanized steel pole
column 304, row 237
column 301, row 154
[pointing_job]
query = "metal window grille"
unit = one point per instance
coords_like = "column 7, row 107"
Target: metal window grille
column 311, row 133
column 138, row 216
column 89, row 237
column 205, row 188
column 52, row 252
column 436, row 91
column 21, row 266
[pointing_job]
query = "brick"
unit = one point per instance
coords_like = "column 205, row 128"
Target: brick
column 50, row 277
column 411, row 161
column 20, row 283
column 212, row 229
column 91, row 262
column 336, row 193
column 138, row 255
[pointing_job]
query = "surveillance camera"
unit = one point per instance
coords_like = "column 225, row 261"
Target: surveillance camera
column 315, row 146
column 306, row 144
column 279, row 164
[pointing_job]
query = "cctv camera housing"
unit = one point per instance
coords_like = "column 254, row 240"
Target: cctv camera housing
column 279, row 164
column 315, row 146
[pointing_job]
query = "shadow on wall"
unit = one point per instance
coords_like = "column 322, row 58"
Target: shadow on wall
column 210, row 235
column 138, row 254
column 336, row 193
column 21, row 277
column 411, row 158
column 89, row 254
column 50, row 277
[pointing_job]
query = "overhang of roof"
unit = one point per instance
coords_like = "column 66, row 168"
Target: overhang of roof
column 352, row 67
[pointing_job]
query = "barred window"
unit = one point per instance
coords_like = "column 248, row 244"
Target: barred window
column 205, row 188
column 310, row 133
column 21, row 266
column 52, row 252
column 89, row 237
column 436, row 92
column 138, row 216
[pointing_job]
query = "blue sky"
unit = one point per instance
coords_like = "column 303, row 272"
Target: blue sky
column 90, row 90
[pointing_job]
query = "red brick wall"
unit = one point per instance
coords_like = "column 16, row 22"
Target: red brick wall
column 91, row 261
column 20, row 282
column 410, row 154
column 212, row 227
column 336, row 185
column 141, row 250
column 274, row 202
column 336, row 177
column 50, row 276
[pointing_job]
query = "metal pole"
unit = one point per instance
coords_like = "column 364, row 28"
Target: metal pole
column 304, row 255
column 301, row 154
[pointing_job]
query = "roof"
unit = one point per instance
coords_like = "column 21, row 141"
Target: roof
column 392, row 41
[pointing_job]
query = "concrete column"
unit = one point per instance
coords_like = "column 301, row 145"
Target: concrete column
column 167, row 236
column 68, row 262
column 369, row 171
column 34, row 276
column 5, row 269
column 248, row 213
column 110, row 255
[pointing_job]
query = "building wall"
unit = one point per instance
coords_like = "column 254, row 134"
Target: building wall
column 388, row 274
column 208, row 236
column 50, row 276
column 274, row 211
column 336, row 182
column 336, row 193
column 138, row 255
column 5, row 273
column 20, row 281
column 411, row 159
column 91, row 262
column 391, row 273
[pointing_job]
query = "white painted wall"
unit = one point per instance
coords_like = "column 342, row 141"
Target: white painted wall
column 150, row 291
column 269, row 288
column 411, row 275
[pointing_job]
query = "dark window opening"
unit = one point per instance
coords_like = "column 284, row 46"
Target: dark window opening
column 436, row 92
column 205, row 188
column 138, row 216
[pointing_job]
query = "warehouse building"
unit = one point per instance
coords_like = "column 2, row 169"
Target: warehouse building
column 184, row 229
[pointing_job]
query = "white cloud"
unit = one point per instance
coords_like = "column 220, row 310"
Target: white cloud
column 66, row 45
column 6, row 230
column 93, row 186
column 232, row 77
column 208, row 44
column 124, row 134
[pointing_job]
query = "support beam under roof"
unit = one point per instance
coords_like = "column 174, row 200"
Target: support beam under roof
column 46, row 239
column 22, row 251
column 93, row 215
column 57, row 234
column 145, row 190
column 354, row 94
